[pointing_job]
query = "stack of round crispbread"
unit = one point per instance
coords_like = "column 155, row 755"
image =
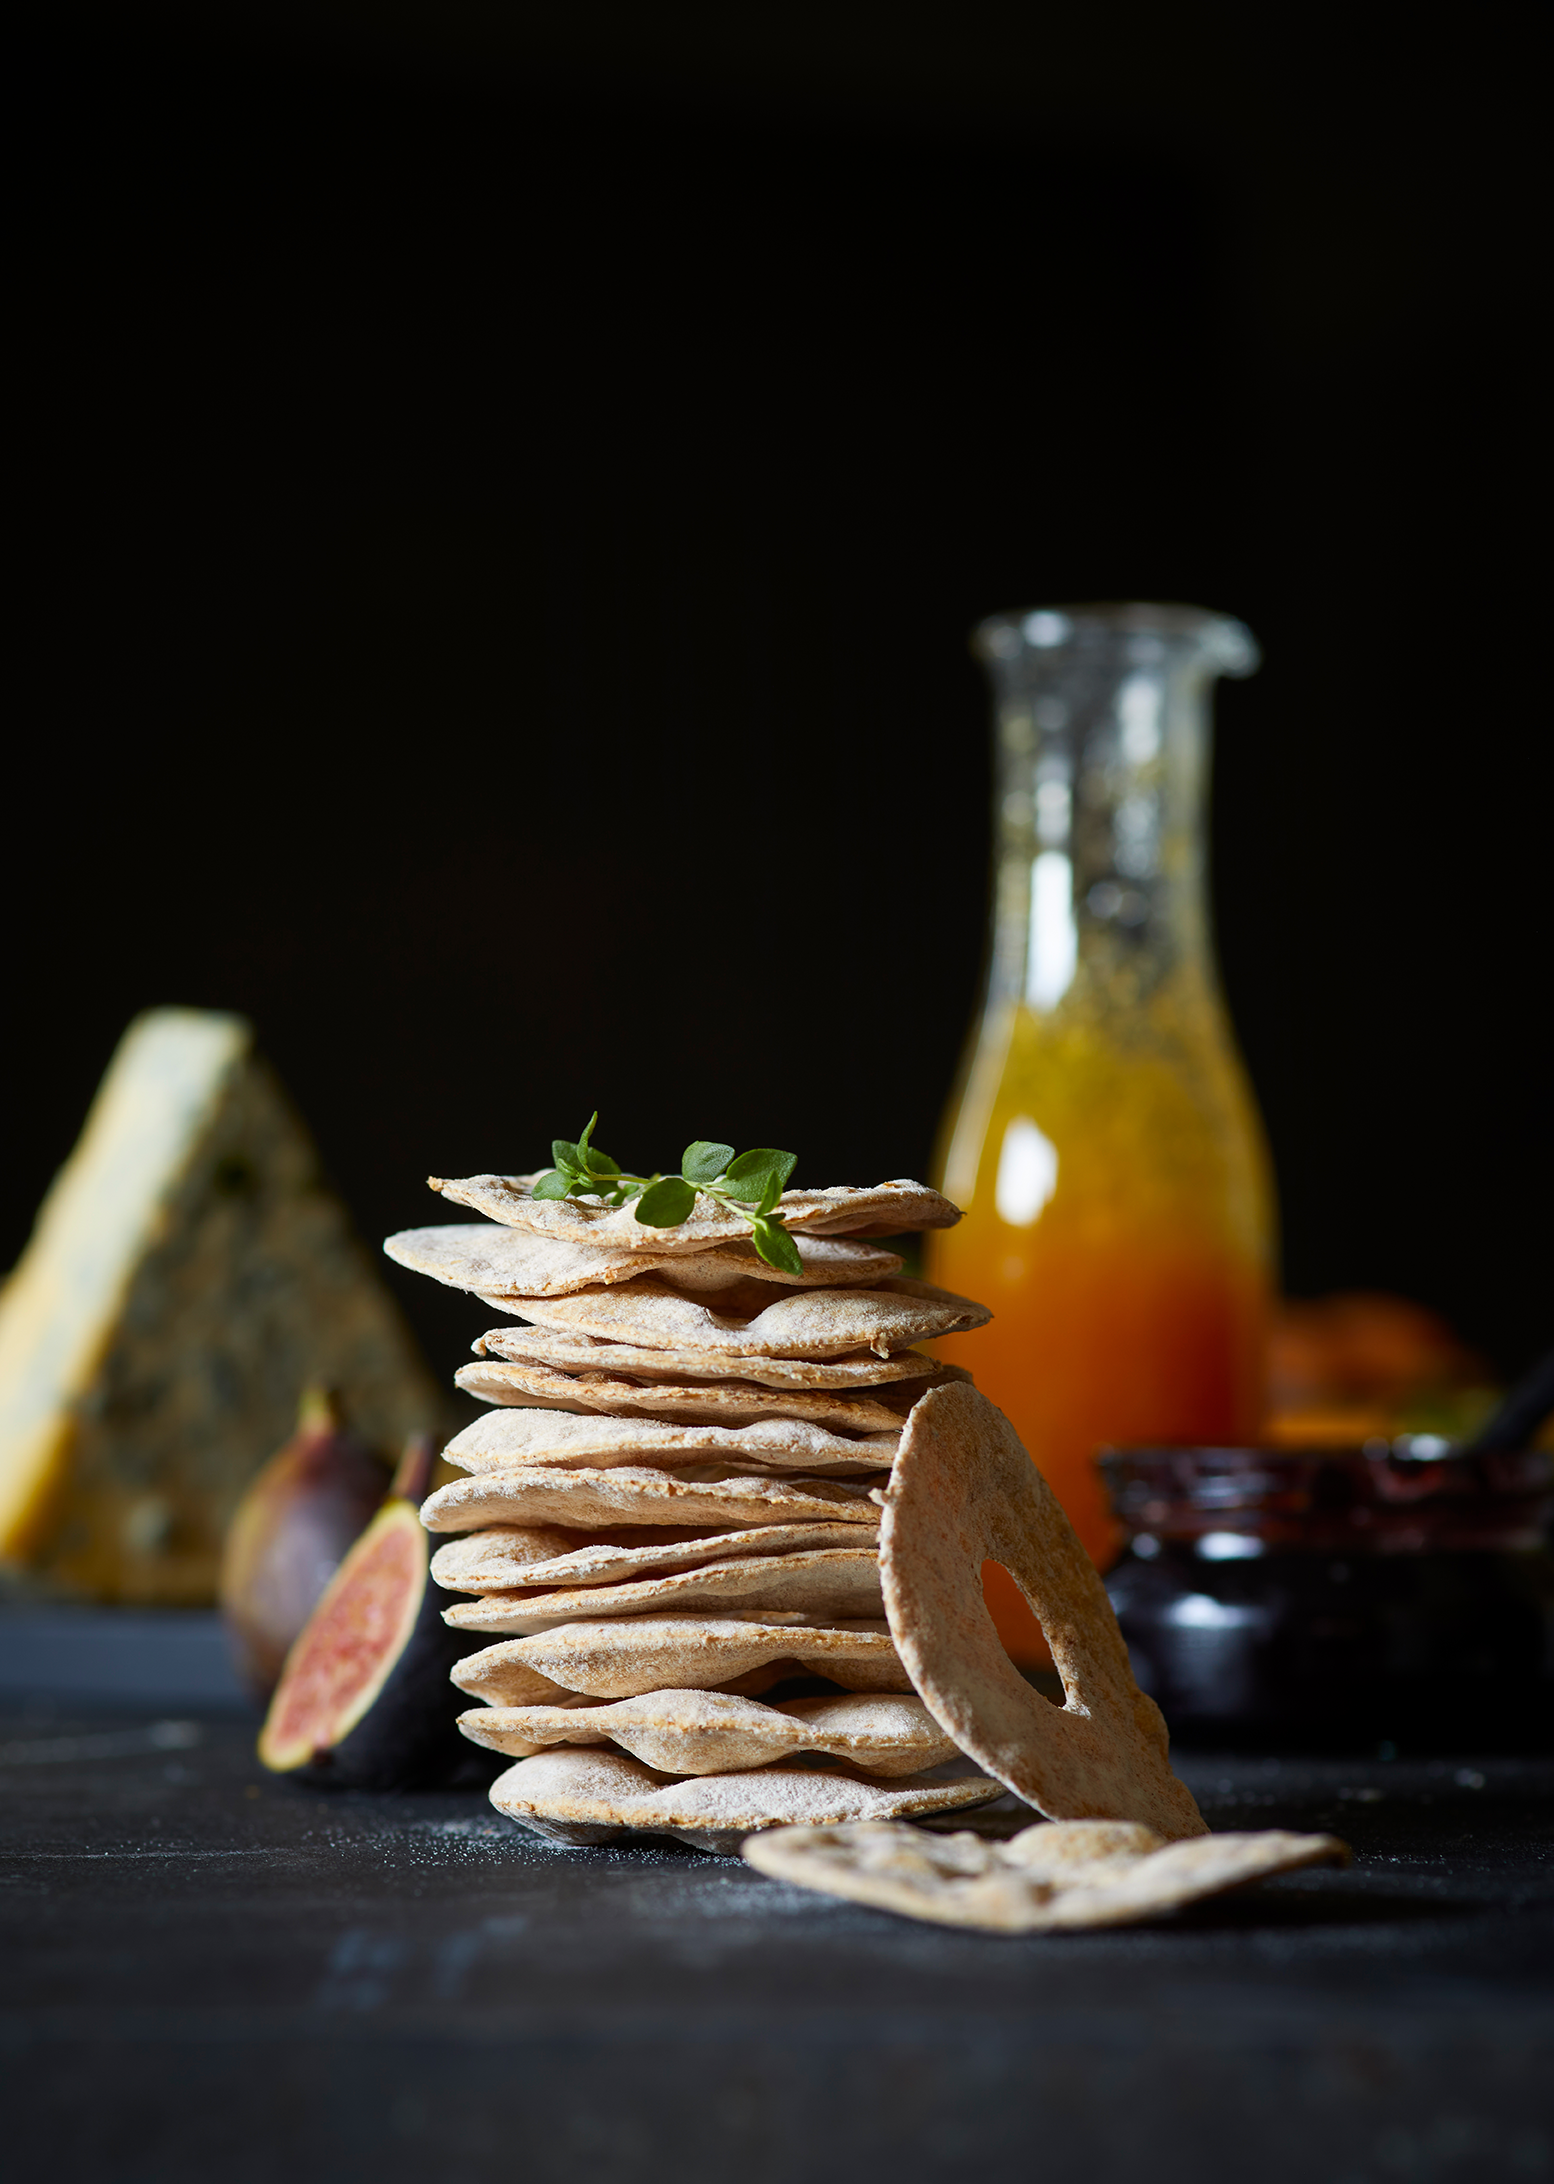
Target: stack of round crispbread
column 670, row 1520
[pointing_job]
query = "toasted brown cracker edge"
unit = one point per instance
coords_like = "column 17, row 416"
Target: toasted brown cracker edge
column 963, row 1492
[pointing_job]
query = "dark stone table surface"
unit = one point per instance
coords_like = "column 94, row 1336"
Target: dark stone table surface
column 209, row 1974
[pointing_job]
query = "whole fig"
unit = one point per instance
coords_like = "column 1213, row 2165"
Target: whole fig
column 289, row 1533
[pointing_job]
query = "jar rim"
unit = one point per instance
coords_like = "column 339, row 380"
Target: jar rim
column 1228, row 645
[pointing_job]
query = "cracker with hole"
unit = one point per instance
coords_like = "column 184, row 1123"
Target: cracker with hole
column 705, row 1403
column 1058, row 1877
column 587, row 1500
column 826, row 1582
column 591, row 1441
column 802, row 1323
column 712, row 1732
column 886, row 1209
column 964, row 1492
column 583, row 1355
column 489, row 1260
column 508, row 1557
column 621, row 1659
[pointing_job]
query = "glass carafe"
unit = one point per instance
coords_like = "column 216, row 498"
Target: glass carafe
column 1103, row 1142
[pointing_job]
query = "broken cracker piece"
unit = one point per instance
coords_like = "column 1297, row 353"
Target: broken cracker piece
column 1057, row 1876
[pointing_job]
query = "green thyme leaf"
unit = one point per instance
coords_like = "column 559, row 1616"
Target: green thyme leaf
column 750, row 1174
column 776, row 1246
column 752, row 1181
column 666, row 1203
column 704, row 1162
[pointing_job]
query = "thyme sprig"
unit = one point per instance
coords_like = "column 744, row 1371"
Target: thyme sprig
column 746, row 1183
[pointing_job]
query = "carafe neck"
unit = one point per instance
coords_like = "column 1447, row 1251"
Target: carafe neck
column 1102, row 748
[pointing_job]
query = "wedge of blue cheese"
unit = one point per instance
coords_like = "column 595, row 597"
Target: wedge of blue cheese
column 190, row 1273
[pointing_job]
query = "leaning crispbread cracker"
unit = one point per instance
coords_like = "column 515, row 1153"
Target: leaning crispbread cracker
column 1054, row 1877
column 569, row 1353
column 707, row 1403
column 603, row 1789
column 964, row 1492
column 835, row 1581
column 509, row 1556
column 491, row 1260
column 886, row 1209
column 588, row 1500
column 498, row 1439
column 805, row 1323
column 618, row 1660
column 710, row 1732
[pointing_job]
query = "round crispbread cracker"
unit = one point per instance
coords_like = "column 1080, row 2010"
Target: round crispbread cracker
column 964, row 1492
column 582, row 1354
column 711, row 1732
column 490, row 1260
column 498, row 1439
column 620, row 1659
column 1056, row 1877
column 704, row 1403
column 885, row 1209
column 709, row 1494
column 804, row 1323
column 563, row 1794
column 510, row 1556
column 827, row 1582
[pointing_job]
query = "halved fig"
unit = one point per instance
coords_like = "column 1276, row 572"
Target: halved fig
column 364, row 1700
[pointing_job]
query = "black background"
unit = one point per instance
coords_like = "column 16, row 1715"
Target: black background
column 501, row 495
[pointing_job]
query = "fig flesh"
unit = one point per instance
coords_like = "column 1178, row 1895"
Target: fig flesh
column 298, row 1517
column 364, row 1701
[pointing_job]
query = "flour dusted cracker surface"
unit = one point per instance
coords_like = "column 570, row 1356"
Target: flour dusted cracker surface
column 509, row 1556
column 709, row 1494
column 620, row 1659
column 703, row 1403
column 814, row 1323
column 502, row 1438
column 713, row 1732
column 833, row 1581
column 489, row 1260
column 886, row 1209
column 1058, row 1877
column 606, row 1789
column 585, row 1356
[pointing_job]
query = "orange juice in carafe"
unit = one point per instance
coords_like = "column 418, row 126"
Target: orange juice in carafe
column 1104, row 1143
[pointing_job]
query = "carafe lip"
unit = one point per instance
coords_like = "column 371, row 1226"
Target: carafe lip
column 1224, row 644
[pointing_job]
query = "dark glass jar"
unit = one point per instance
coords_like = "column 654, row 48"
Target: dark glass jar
column 1401, row 1591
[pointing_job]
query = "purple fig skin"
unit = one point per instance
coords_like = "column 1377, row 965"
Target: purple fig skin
column 298, row 1517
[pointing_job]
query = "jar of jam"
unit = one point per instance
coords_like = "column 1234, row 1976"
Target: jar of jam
column 1402, row 1592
